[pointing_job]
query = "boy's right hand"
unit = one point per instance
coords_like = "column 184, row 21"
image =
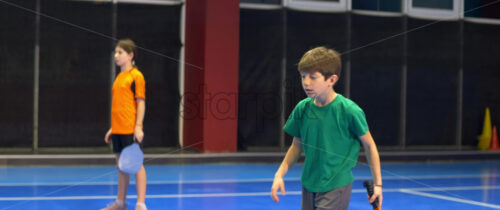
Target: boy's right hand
column 107, row 137
column 278, row 184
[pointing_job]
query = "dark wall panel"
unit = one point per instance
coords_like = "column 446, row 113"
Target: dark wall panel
column 74, row 73
column 376, row 74
column 481, row 79
column 261, row 54
column 17, row 39
column 433, row 53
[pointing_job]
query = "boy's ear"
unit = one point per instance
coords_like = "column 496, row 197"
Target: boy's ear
column 334, row 78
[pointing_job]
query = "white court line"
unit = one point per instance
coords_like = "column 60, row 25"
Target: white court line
column 450, row 198
column 458, row 176
column 201, row 195
column 206, row 195
column 240, row 180
column 457, row 188
column 149, row 183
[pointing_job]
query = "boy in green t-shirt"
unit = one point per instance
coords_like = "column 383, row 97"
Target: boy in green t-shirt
column 329, row 128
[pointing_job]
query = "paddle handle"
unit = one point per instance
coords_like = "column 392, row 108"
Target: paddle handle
column 368, row 184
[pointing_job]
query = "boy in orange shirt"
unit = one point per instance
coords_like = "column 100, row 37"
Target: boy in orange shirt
column 127, row 115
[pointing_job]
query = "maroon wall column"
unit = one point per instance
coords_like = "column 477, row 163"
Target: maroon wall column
column 211, row 75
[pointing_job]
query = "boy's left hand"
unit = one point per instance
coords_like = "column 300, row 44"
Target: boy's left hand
column 138, row 134
column 377, row 193
column 278, row 184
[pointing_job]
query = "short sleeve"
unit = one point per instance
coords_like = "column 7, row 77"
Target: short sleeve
column 358, row 123
column 140, row 85
column 292, row 125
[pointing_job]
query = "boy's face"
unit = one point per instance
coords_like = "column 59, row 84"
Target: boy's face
column 122, row 57
column 315, row 85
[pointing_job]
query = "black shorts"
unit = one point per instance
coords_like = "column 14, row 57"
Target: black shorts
column 121, row 141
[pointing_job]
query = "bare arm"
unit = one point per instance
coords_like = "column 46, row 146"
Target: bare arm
column 291, row 156
column 107, row 137
column 374, row 161
column 141, row 109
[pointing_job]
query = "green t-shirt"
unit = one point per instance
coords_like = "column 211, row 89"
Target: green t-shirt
column 329, row 140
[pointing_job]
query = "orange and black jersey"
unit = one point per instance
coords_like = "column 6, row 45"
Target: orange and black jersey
column 128, row 86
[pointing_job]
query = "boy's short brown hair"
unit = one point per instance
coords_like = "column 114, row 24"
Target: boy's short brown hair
column 128, row 45
column 323, row 60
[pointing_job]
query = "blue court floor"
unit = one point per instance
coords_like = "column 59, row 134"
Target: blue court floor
column 467, row 185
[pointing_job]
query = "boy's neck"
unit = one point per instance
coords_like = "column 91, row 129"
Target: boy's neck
column 126, row 67
column 325, row 99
